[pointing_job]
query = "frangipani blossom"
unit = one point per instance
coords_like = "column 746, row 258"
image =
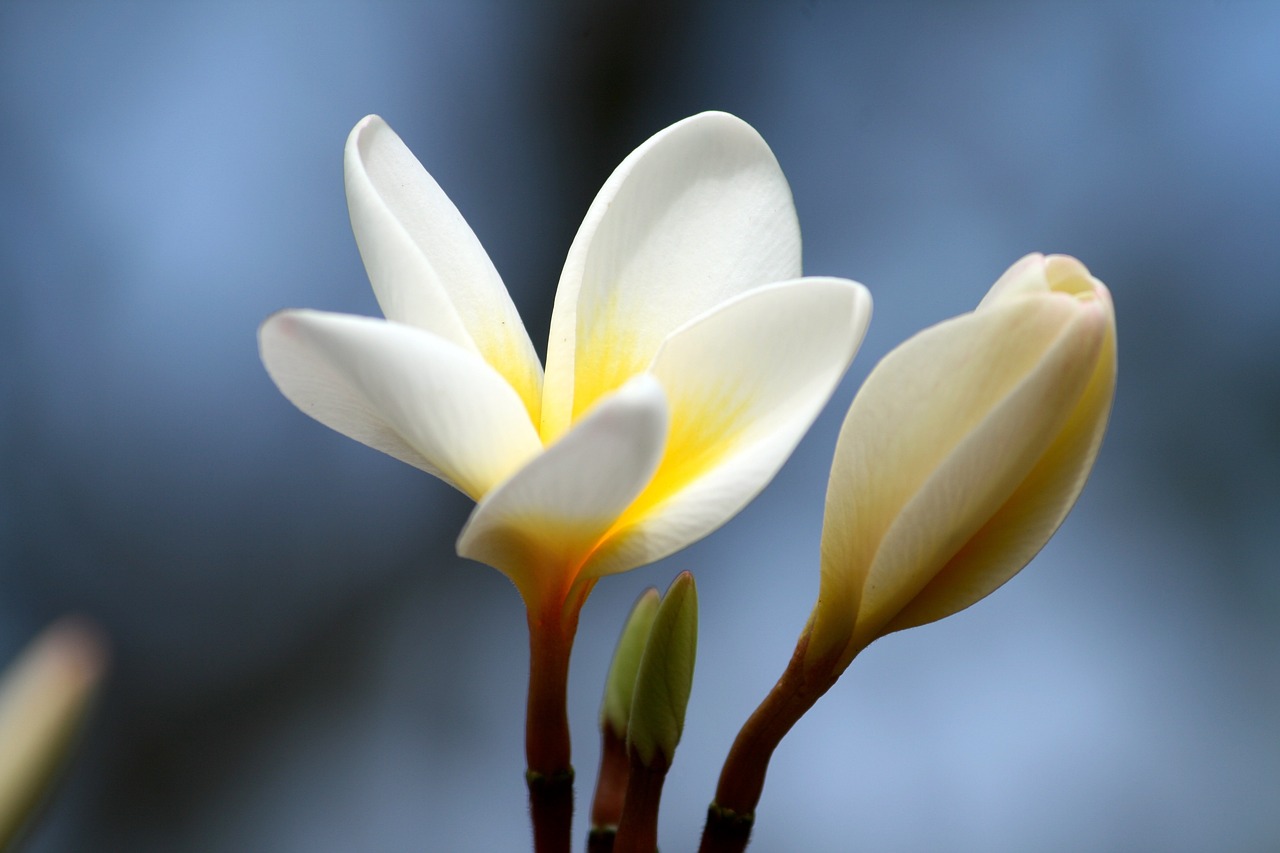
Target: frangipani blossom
column 686, row 360
column 962, row 454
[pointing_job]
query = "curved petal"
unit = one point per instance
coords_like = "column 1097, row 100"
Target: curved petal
column 696, row 215
column 1022, row 526
column 539, row 526
column 1024, row 277
column 425, row 263
column 926, row 455
column 745, row 382
column 406, row 392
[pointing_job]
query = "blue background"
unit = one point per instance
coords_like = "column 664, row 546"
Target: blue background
column 300, row 661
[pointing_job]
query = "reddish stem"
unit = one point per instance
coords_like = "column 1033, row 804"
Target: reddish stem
column 611, row 784
column 547, row 744
column 638, row 828
column 729, row 819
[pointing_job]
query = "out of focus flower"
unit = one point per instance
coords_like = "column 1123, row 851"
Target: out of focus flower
column 43, row 698
column 685, row 362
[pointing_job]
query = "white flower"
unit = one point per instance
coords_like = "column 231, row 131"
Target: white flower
column 686, row 359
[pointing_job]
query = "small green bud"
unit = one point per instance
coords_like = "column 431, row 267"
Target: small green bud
column 621, row 681
column 665, row 677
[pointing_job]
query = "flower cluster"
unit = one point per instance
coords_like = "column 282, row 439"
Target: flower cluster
column 686, row 359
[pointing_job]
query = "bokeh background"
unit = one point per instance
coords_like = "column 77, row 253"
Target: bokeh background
column 300, row 661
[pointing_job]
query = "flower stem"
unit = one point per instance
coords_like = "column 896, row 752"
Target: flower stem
column 546, row 737
column 638, row 828
column 731, row 815
column 611, row 790
column 600, row 839
column 547, row 745
column 551, row 810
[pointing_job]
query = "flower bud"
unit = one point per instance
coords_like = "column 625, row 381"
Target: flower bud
column 665, row 677
column 962, row 454
column 619, row 687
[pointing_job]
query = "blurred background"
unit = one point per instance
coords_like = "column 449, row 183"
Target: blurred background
column 300, row 661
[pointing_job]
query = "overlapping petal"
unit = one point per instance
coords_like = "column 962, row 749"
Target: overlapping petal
column 745, row 382
column 425, row 263
column 539, row 526
column 695, row 216
column 406, row 392
column 1021, row 526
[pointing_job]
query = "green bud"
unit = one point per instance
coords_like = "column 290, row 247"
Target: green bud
column 621, row 681
column 666, row 675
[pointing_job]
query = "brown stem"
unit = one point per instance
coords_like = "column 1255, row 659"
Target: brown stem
column 638, row 828
column 546, row 738
column 730, row 817
column 611, row 784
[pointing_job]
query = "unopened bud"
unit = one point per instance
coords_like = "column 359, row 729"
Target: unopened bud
column 665, row 677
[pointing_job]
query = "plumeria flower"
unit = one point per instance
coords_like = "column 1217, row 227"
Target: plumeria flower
column 686, row 360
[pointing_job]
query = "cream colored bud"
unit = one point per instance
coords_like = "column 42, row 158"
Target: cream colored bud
column 665, row 677
column 962, row 454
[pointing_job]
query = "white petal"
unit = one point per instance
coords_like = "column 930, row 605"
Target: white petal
column 745, row 382
column 425, row 263
column 403, row 391
column 540, row 525
column 696, row 215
